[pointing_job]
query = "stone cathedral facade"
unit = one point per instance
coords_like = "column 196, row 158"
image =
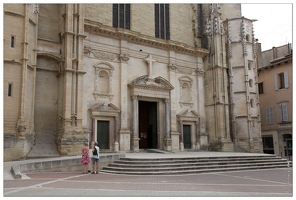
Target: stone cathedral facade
column 174, row 77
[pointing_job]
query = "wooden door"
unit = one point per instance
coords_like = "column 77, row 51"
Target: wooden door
column 103, row 134
column 187, row 136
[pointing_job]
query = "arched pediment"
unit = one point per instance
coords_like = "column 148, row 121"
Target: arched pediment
column 50, row 55
column 104, row 65
column 156, row 83
column 185, row 79
column 151, row 87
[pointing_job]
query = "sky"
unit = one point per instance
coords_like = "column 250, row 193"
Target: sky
column 274, row 23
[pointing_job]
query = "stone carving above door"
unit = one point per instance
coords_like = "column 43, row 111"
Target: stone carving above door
column 151, row 87
column 156, row 83
column 188, row 115
column 100, row 108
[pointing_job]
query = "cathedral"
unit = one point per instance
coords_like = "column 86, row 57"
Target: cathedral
column 173, row 77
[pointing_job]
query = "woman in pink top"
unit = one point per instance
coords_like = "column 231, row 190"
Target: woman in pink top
column 85, row 160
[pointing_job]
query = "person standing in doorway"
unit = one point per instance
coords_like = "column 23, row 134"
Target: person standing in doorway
column 85, row 159
column 95, row 159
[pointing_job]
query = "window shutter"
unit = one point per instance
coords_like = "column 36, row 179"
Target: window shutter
column 115, row 15
column 127, row 16
column 275, row 82
column 167, row 22
column 156, row 10
column 281, row 113
column 121, row 15
column 271, row 115
column 286, row 79
column 284, row 112
column 162, row 21
column 267, row 116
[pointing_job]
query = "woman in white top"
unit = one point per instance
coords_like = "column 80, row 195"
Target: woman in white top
column 95, row 159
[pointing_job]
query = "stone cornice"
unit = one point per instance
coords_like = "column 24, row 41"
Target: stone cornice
column 13, row 13
column 136, row 37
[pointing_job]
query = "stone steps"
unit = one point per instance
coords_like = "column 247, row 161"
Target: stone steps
column 169, row 166
column 136, row 165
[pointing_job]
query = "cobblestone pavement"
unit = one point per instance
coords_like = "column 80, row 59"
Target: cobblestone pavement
column 257, row 183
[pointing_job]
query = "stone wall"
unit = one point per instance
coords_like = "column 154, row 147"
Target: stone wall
column 49, row 22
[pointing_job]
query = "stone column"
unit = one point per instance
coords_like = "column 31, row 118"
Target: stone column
column 181, row 136
column 167, row 140
column 93, row 134
column 135, row 139
column 116, row 144
column 167, row 119
column 197, row 146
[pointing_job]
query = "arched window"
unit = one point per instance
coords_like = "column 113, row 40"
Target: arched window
column 248, row 38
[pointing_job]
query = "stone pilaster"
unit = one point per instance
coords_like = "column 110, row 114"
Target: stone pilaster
column 124, row 132
column 135, row 139
column 197, row 142
column 116, row 144
column 168, row 139
column 71, row 136
column 181, row 137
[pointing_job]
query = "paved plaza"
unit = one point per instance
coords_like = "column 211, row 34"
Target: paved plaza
column 257, row 183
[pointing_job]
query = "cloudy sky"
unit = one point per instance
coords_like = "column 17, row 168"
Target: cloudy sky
column 275, row 23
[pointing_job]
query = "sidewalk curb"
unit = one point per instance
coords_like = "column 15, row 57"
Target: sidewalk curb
column 15, row 170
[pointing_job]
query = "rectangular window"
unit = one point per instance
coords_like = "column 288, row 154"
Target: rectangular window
column 162, row 21
column 260, row 88
column 12, row 41
column 269, row 115
column 121, row 16
column 281, row 81
column 9, row 92
column 284, row 112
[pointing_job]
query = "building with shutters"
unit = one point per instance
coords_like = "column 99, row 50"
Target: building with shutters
column 174, row 77
column 275, row 97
